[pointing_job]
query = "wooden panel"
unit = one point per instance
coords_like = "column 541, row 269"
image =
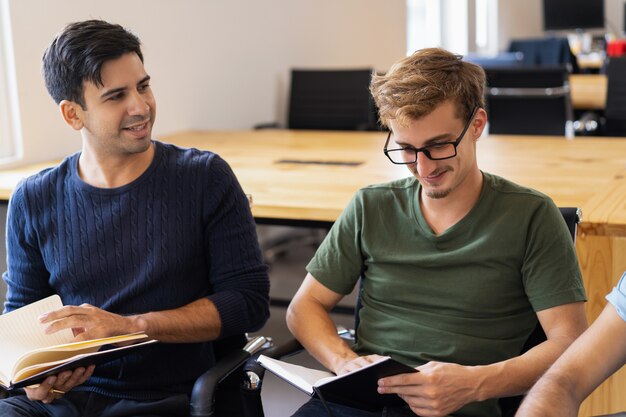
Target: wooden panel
column 603, row 260
column 605, row 212
column 588, row 91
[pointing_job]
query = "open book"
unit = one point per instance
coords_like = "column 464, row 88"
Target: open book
column 28, row 355
column 357, row 389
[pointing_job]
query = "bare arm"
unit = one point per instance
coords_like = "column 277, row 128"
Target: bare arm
column 562, row 325
column 310, row 323
column 442, row 388
column 599, row 352
column 195, row 322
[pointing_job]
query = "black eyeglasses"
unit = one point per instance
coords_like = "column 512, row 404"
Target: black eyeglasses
column 434, row 152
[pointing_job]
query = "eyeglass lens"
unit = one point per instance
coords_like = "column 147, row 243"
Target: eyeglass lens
column 409, row 155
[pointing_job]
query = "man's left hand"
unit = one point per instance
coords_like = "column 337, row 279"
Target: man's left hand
column 54, row 387
column 438, row 389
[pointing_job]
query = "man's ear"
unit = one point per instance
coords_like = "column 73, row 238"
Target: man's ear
column 72, row 114
column 479, row 123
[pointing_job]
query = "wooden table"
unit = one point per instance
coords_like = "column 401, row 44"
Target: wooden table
column 308, row 177
column 588, row 91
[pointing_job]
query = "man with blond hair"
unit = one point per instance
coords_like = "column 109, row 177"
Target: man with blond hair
column 458, row 265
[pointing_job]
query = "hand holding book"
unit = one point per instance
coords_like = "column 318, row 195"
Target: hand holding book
column 56, row 386
column 357, row 388
column 29, row 354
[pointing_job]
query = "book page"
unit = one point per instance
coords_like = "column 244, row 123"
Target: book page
column 79, row 358
column 20, row 331
column 299, row 376
column 4, row 380
column 60, row 353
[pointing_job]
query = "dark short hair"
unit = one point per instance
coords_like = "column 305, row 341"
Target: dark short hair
column 78, row 53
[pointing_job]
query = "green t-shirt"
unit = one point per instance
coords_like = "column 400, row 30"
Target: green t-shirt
column 467, row 296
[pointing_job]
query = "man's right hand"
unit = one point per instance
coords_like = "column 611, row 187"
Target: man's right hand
column 356, row 363
column 54, row 387
column 88, row 322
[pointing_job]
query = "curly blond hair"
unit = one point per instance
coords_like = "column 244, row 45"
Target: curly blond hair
column 417, row 84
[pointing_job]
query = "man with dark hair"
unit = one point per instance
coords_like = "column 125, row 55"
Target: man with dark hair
column 134, row 235
column 458, row 265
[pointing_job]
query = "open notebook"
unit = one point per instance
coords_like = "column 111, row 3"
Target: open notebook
column 356, row 389
column 29, row 355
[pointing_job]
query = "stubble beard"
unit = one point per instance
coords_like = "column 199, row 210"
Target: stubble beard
column 432, row 193
column 437, row 194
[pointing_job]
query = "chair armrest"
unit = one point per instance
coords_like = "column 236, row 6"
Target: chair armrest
column 254, row 371
column 284, row 350
column 203, row 393
column 292, row 346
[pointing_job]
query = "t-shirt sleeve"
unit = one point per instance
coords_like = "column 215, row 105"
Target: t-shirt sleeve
column 338, row 263
column 550, row 270
column 617, row 297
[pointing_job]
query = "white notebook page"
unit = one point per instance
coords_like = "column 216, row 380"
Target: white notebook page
column 21, row 331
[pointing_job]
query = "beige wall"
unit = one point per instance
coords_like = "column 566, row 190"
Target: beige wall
column 524, row 19
column 518, row 19
column 220, row 64
column 215, row 64
column 614, row 14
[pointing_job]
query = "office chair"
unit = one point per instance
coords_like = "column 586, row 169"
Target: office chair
column 551, row 51
column 504, row 59
column 332, row 100
column 252, row 373
column 615, row 111
column 509, row 405
column 225, row 390
column 529, row 101
column 328, row 99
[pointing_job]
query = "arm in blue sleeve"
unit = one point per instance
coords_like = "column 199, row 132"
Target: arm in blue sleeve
column 26, row 276
column 238, row 275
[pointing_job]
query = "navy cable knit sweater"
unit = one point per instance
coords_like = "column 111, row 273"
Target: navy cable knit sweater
column 181, row 231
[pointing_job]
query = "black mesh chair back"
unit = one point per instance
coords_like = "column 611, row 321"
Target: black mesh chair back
column 615, row 111
column 509, row 405
column 529, row 101
column 550, row 51
column 332, row 100
column 501, row 60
